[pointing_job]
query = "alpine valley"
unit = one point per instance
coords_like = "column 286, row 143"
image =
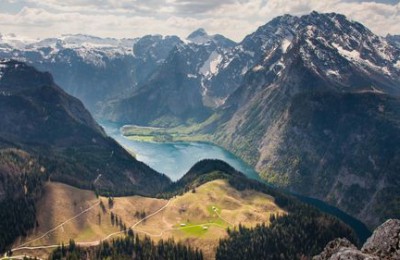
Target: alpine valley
column 311, row 102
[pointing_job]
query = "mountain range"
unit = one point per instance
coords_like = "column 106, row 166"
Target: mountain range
column 315, row 111
column 47, row 137
column 90, row 68
column 311, row 102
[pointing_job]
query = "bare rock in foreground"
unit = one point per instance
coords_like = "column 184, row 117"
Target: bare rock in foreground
column 383, row 244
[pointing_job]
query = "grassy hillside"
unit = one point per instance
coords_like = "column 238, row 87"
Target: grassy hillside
column 198, row 219
column 204, row 209
column 201, row 216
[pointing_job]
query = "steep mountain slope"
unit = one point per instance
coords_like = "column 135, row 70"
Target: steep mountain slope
column 233, row 66
column 41, row 119
column 292, row 118
column 208, row 70
column 150, row 52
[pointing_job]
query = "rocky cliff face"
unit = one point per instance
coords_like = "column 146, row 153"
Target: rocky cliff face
column 310, row 115
column 383, row 244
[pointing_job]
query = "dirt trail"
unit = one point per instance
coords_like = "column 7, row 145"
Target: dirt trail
column 60, row 225
column 90, row 243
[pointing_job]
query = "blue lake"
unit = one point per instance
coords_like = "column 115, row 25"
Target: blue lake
column 175, row 159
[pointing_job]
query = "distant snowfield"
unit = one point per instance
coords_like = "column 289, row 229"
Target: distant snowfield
column 89, row 48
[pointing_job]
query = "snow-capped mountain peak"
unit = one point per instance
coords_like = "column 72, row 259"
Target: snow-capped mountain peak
column 200, row 36
column 341, row 53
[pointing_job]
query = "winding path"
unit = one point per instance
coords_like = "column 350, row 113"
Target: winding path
column 57, row 227
column 91, row 243
column 219, row 215
column 97, row 242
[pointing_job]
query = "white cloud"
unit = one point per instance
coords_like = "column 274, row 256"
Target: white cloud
column 131, row 18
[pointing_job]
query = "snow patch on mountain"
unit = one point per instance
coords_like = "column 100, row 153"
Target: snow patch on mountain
column 2, row 67
column 285, row 44
column 244, row 70
column 210, row 66
column 333, row 73
column 258, row 68
column 355, row 57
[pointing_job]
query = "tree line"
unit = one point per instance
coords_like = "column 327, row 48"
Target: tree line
column 129, row 247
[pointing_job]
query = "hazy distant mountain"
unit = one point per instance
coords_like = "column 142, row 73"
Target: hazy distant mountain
column 90, row 68
column 100, row 69
column 175, row 92
column 200, row 36
column 320, row 113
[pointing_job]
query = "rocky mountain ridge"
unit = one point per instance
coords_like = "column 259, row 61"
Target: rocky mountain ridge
column 383, row 244
column 96, row 69
column 309, row 101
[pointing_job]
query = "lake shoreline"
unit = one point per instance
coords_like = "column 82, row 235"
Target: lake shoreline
column 175, row 148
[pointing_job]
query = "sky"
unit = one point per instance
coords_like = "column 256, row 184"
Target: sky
column 134, row 18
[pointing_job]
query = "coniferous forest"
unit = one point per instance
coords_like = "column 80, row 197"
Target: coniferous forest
column 130, row 247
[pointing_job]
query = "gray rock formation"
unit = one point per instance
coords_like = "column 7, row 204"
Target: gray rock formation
column 383, row 244
column 385, row 241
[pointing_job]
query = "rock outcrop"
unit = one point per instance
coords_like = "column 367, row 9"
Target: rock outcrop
column 385, row 241
column 383, row 244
